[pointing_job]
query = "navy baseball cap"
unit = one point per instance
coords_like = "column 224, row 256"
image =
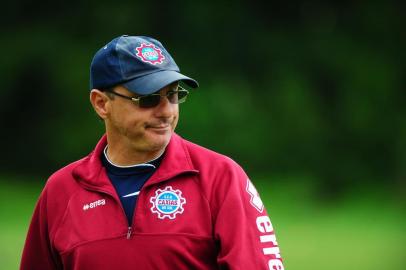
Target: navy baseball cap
column 139, row 63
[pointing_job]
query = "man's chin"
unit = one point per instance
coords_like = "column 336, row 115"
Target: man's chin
column 158, row 138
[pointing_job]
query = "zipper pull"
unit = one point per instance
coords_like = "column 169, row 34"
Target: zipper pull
column 129, row 232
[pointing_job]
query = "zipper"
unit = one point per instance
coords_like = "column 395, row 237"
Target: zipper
column 129, row 233
column 130, row 226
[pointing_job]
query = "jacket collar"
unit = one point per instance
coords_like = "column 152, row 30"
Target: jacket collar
column 91, row 173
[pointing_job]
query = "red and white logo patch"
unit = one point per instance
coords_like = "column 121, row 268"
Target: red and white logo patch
column 149, row 53
column 167, row 203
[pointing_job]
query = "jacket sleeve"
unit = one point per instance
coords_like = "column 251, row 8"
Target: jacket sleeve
column 37, row 253
column 242, row 227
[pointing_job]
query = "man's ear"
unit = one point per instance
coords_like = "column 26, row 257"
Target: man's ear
column 100, row 102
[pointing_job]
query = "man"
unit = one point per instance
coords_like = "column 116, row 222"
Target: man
column 145, row 198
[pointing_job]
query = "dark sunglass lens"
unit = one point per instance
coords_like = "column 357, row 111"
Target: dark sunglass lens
column 149, row 101
column 182, row 94
column 172, row 97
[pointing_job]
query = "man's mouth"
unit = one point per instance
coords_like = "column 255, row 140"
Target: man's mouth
column 159, row 126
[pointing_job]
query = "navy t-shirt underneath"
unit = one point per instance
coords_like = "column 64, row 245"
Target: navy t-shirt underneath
column 128, row 181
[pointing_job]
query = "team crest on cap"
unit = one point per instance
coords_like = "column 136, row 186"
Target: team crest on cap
column 150, row 54
column 167, row 203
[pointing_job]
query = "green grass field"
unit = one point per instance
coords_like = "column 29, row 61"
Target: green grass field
column 362, row 232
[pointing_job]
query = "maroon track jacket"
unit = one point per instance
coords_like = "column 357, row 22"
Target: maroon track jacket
column 199, row 210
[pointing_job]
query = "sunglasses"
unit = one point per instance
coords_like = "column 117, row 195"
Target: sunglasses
column 149, row 101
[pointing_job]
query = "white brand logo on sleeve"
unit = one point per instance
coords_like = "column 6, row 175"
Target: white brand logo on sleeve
column 94, row 204
column 268, row 238
column 167, row 203
column 255, row 199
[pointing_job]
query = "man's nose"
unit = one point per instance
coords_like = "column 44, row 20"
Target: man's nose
column 165, row 108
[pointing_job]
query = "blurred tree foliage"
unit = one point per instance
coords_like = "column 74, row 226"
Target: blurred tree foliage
column 314, row 88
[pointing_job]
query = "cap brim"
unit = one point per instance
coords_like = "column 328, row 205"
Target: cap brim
column 151, row 83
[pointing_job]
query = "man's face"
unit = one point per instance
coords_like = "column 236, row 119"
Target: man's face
column 146, row 130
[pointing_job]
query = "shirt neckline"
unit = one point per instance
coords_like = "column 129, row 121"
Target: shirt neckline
column 152, row 163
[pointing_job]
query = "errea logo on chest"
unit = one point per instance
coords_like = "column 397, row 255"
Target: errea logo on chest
column 94, row 204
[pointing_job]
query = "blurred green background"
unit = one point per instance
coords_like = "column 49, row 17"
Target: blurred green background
column 309, row 97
